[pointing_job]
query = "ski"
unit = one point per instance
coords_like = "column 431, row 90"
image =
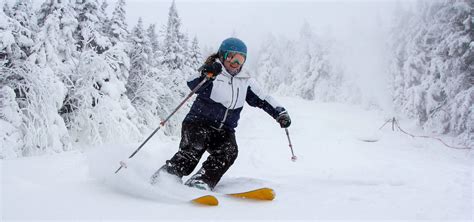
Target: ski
column 208, row 200
column 265, row 193
column 257, row 194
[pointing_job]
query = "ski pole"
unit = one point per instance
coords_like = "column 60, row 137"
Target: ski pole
column 293, row 157
column 162, row 123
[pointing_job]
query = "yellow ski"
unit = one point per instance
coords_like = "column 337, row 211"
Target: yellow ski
column 258, row 194
column 208, row 200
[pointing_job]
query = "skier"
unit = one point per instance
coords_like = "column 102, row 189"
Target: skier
column 209, row 125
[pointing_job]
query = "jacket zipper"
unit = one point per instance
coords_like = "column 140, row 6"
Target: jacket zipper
column 236, row 99
column 231, row 101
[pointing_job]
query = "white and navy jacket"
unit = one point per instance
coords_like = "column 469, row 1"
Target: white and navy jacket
column 220, row 102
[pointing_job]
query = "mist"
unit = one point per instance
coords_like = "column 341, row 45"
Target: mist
column 357, row 29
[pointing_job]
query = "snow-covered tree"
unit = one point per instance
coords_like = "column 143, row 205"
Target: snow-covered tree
column 317, row 77
column 68, row 76
column 270, row 66
column 174, row 45
column 38, row 91
column 301, row 68
column 74, row 45
column 155, row 53
column 39, row 95
column 56, row 45
column 187, row 53
column 90, row 32
column 45, row 9
column 10, row 119
column 175, row 55
column 23, row 12
column 154, row 101
column 10, row 115
column 195, row 56
column 102, row 112
column 118, row 28
column 7, row 40
column 153, row 37
column 16, row 41
column 139, row 51
column 106, row 21
column 146, row 87
column 433, row 67
column 6, row 9
column 96, row 107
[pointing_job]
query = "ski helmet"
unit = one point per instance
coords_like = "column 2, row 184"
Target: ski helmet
column 232, row 45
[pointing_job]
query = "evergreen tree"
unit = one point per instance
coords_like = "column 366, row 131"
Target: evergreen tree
column 269, row 65
column 195, row 56
column 301, row 68
column 147, row 86
column 105, row 20
column 97, row 108
column 7, row 43
column 433, row 67
column 102, row 112
column 153, row 37
column 175, row 56
column 118, row 27
column 138, row 55
column 186, row 50
column 156, row 53
column 90, row 32
column 174, row 42
column 6, row 9
column 23, row 12
column 38, row 91
column 17, row 39
column 306, row 67
column 64, row 77
column 56, row 46
column 11, row 120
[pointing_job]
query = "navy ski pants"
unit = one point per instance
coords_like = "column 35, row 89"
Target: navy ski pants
column 196, row 138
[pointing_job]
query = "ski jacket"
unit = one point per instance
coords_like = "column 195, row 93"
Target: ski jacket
column 220, row 102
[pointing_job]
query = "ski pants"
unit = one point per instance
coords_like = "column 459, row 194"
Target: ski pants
column 196, row 138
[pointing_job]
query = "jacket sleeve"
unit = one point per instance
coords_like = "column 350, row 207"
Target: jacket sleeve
column 194, row 81
column 257, row 98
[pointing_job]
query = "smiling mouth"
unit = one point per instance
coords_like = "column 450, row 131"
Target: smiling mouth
column 234, row 66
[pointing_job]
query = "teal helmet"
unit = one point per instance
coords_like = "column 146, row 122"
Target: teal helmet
column 232, row 45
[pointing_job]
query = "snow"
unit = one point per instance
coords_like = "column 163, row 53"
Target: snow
column 336, row 176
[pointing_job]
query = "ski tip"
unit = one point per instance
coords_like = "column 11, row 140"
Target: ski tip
column 267, row 194
column 207, row 200
column 258, row 194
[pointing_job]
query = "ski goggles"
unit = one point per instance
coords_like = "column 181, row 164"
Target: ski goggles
column 235, row 57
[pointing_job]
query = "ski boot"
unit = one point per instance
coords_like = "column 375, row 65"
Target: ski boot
column 164, row 174
column 199, row 184
column 196, row 181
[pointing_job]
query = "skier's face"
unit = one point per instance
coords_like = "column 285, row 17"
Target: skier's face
column 233, row 61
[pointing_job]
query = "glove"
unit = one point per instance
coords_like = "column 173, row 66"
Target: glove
column 215, row 69
column 284, row 119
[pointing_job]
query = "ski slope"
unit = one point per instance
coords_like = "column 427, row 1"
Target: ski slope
column 336, row 176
